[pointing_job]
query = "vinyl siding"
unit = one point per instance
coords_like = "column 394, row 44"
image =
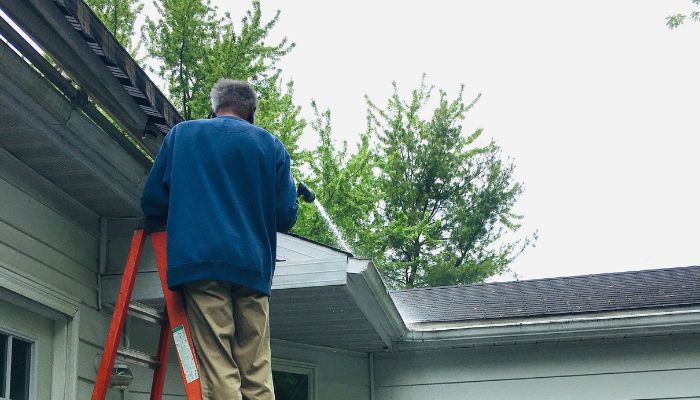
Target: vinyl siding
column 47, row 237
column 641, row 368
column 342, row 375
column 40, row 242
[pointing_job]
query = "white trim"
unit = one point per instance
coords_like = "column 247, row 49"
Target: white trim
column 566, row 318
column 304, row 248
column 313, row 347
column 69, row 129
column 288, row 275
column 299, row 368
column 64, row 310
column 366, row 287
column 588, row 326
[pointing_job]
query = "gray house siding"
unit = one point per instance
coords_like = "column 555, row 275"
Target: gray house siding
column 48, row 238
column 46, row 245
column 641, row 368
column 341, row 375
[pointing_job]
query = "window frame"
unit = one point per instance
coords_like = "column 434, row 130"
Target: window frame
column 299, row 368
column 10, row 333
column 40, row 298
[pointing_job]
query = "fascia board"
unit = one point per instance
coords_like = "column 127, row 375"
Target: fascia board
column 43, row 21
column 329, row 272
column 368, row 290
column 619, row 324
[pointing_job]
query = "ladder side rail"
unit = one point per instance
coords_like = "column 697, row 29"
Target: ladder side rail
column 159, row 373
column 175, row 307
column 116, row 325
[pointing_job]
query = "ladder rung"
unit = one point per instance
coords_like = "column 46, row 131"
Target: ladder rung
column 136, row 357
column 146, row 313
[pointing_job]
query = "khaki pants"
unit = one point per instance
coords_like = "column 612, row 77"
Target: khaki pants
column 231, row 334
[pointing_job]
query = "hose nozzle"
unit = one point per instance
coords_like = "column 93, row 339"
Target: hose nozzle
column 305, row 193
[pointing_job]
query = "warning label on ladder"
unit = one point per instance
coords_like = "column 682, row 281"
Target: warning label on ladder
column 184, row 352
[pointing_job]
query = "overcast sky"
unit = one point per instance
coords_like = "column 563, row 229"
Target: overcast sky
column 596, row 101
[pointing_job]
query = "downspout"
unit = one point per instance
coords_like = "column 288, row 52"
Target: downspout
column 126, row 334
column 102, row 260
column 371, row 376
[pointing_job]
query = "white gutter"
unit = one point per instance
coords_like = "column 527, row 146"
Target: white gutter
column 528, row 330
column 372, row 297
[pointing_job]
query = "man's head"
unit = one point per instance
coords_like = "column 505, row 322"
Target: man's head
column 234, row 97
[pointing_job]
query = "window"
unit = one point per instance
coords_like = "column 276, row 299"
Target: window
column 15, row 367
column 293, row 380
column 290, row 386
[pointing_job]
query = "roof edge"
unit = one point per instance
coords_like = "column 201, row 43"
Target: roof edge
column 368, row 290
column 631, row 272
column 658, row 321
column 347, row 253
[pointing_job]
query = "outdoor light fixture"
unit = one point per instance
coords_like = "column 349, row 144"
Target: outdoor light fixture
column 121, row 377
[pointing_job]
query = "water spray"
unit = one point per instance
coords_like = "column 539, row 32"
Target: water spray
column 309, row 196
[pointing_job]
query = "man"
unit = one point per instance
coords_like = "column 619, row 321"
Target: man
column 225, row 189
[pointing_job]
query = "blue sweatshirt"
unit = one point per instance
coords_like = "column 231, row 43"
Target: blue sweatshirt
column 225, row 188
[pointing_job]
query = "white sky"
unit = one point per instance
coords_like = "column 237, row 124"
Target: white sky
column 596, row 101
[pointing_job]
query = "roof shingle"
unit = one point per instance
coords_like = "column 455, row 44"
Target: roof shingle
column 553, row 296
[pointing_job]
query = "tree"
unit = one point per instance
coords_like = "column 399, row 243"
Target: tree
column 277, row 113
column 195, row 48
column 346, row 186
column 181, row 39
column 674, row 21
column 446, row 203
column 424, row 201
column 119, row 17
column 243, row 53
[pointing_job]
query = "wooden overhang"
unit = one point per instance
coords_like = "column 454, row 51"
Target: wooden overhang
column 52, row 115
column 75, row 38
column 42, row 129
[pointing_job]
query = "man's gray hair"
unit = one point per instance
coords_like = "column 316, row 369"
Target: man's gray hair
column 237, row 95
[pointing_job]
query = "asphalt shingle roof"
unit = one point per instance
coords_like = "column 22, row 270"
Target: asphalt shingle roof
column 553, row 296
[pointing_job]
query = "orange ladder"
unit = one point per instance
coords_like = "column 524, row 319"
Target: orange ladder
column 173, row 321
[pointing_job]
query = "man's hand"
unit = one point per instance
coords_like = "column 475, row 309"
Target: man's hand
column 305, row 193
column 154, row 224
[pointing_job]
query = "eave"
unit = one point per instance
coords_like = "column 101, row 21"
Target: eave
column 320, row 296
column 622, row 324
column 45, row 23
column 49, row 134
